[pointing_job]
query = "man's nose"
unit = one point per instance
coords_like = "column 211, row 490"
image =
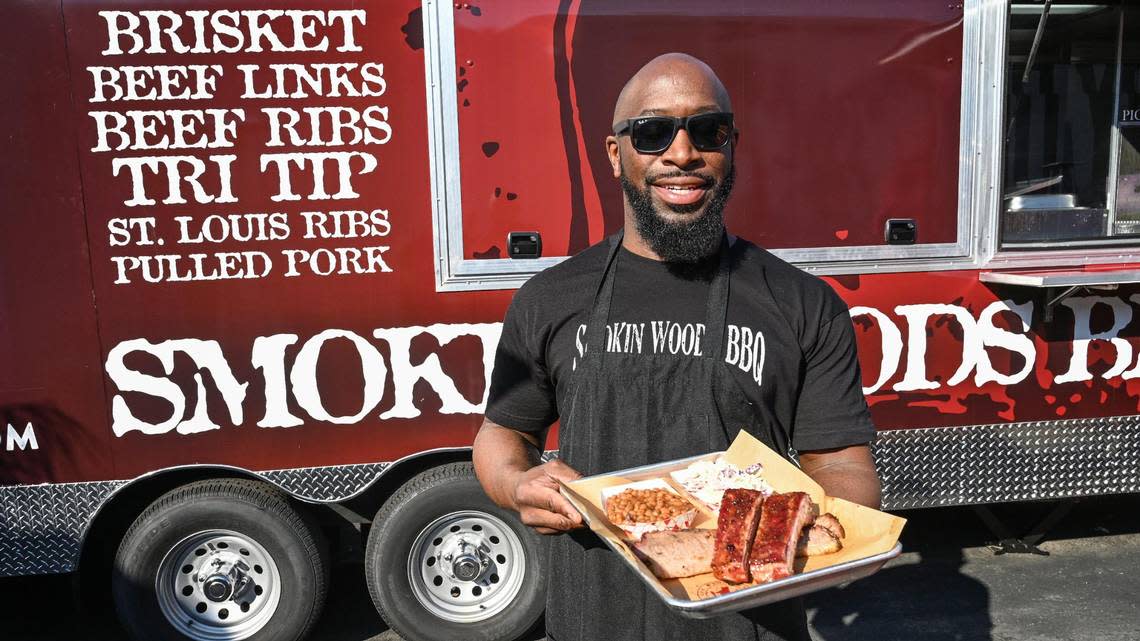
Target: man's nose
column 681, row 152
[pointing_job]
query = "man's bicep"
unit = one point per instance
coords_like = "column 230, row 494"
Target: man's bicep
column 535, row 440
column 851, row 455
column 832, row 411
column 845, row 472
column 521, row 395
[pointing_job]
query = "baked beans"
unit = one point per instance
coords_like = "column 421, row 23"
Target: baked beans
column 645, row 506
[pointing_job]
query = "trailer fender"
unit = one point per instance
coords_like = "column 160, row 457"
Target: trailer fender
column 365, row 485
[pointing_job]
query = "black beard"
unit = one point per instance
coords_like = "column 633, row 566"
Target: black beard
column 680, row 243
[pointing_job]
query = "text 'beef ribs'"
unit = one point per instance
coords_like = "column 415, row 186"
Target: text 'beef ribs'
column 736, row 527
column 774, row 548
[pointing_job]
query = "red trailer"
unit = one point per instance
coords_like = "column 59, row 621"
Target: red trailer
column 254, row 257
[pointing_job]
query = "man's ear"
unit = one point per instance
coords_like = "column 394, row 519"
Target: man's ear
column 613, row 152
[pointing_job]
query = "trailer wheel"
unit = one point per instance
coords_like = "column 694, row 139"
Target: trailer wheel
column 220, row 560
column 443, row 562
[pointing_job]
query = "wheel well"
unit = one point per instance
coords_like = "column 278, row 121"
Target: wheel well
column 368, row 503
column 116, row 516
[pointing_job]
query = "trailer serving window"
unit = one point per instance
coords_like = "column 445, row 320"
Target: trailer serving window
column 1071, row 145
column 855, row 117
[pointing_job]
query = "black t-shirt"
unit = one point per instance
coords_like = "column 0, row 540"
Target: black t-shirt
column 788, row 341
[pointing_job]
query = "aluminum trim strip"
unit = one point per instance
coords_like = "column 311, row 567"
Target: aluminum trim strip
column 1115, row 138
column 1120, row 252
column 443, row 137
column 1061, row 279
column 983, row 107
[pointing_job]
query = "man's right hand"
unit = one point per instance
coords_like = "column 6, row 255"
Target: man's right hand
column 539, row 502
column 506, row 462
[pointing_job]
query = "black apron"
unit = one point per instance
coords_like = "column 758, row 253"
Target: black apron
column 627, row 410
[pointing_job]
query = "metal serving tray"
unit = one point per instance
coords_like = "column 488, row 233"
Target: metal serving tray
column 790, row 587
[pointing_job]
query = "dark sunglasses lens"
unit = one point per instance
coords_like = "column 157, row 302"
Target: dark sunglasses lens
column 710, row 131
column 651, row 134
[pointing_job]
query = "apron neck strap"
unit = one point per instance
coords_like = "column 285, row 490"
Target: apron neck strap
column 716, row 311
column 600, row 310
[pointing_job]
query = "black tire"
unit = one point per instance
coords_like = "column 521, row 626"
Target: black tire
column 430, row 499
column 182, row 520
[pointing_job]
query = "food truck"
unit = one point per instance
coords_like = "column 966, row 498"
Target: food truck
column 255, row 257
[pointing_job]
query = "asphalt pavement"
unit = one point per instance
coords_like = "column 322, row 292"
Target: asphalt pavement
column 949, row 585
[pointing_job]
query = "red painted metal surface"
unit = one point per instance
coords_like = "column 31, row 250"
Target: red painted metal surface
column 56, row 357
column 1081, row 364
column 847, row 118
column 848, row 112
column 50, row 372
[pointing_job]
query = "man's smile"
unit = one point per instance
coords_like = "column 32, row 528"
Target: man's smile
column 681, row 190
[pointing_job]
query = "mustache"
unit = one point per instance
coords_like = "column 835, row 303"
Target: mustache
column 706, row 180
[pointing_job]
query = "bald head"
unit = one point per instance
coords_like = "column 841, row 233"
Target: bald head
column 667, row 75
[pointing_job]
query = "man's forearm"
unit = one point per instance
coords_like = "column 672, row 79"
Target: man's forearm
column 508, row 465
column 500, row 455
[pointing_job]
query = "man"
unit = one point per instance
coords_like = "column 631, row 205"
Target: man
column 661, row 343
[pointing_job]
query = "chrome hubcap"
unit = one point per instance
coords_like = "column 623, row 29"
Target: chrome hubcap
column 218, row 585
column 467, row 555
column 466, row 566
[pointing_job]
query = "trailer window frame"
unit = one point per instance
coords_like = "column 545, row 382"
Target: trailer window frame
column 980, row 127
column 1103, row 251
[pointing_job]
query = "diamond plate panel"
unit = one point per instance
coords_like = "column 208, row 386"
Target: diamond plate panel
column 1009, row 462
column 323, row 484
column 42, row 526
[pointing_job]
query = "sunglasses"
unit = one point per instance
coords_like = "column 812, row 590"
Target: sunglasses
column 654, row 134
